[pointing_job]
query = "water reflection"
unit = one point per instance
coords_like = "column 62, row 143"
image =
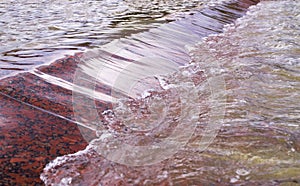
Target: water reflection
column 259, row 141
column 37, row 32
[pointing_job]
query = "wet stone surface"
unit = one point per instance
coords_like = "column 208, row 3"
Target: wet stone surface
column 37, row 125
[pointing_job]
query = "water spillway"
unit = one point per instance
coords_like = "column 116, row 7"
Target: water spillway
column 261, row 88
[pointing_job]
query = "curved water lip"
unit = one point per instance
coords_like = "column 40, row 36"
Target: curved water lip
column 49, row 87
column 124, row 63
column 29, row 30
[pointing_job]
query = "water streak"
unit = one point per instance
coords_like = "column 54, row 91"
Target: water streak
column 33, row 35
column 262, row 111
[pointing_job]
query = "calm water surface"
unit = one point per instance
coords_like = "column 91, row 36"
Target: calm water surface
column 38, row 32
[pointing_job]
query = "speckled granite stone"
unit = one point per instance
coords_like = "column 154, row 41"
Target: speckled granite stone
column 37, row 122
column 29, row 139
column 31, row 134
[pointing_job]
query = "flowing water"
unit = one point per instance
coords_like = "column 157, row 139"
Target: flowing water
column 36, row 32
column 187, row 102
column 224, row 109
